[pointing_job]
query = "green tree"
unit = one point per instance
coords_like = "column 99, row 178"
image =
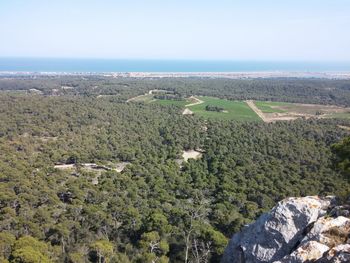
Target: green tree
column 28, row 249
column 29, row 255
column 154, row 247
column 103, row 250
column 342, row 150
column 7, row 240
column 77, row 257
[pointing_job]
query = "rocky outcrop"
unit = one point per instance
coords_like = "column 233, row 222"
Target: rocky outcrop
column 338, row 254
column 296, row 230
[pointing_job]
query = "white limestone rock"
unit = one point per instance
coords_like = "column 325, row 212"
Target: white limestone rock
column 329, row 231
column 278, row 233
column 308, row 252
column 338, row 254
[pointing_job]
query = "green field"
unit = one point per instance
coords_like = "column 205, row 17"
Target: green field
column 268, row 106
column 236, row 110
column 343, row 115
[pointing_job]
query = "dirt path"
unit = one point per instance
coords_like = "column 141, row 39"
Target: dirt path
column 251, row 104
column 198, row 101
column 135, row 98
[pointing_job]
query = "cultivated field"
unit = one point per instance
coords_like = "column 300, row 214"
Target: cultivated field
column 233, row 110
column 249, row 110
column 275, row 111
column 271, row 107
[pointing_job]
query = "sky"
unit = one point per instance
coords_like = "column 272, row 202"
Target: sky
column 274, row 30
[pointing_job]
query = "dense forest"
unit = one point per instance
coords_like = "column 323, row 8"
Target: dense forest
column 157, row 209
column 319, row 91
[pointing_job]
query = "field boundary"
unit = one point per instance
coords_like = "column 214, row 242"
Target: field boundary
column 252, row 105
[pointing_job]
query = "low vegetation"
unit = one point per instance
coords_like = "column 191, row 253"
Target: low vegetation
column 214, row 108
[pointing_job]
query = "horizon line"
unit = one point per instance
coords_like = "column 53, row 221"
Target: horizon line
column 179, row 59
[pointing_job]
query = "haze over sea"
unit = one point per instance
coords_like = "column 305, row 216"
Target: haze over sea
column 123, row 65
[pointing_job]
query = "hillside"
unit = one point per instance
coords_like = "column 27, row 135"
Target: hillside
column 87, row 179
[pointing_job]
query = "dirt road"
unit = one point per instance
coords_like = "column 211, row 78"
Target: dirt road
column 198, row 101
column 251, row 104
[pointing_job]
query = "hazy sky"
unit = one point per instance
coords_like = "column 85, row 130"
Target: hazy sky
column 177, row 29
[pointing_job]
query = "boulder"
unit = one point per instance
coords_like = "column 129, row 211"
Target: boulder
column 338, row 254
column 329, row 231
column 278, row 233
column 308, row 252
column 326, row 233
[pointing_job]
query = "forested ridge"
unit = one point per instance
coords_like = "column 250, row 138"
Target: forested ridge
column 155, row 210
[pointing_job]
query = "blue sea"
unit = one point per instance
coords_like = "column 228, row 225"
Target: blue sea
column 123, row 65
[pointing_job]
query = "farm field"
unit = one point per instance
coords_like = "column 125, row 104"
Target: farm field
column 275, row 111
column 270, row 106
column 340, row 115
column 233, row 110
column 267, row 111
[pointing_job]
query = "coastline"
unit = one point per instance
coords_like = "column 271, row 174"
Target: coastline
column 228, row 75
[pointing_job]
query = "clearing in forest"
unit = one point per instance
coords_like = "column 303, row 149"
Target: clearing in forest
column 187, row 112
column 277, row 111
column 197, row 105
column 191, row 154
column 267, row 111
column 231, row 110
column 93, row 167
column 146, row 98
column 344, row 127
column 149, row 96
